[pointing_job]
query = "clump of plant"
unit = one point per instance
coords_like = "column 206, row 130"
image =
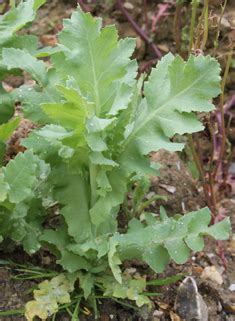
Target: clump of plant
column 96, row 131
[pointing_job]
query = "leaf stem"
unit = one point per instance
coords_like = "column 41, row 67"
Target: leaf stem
column 200, row 168
column 125, row 304
column 12, row 3
column 12, row 312
column 216, row 42
column 206, row 29
column 192, row 25
column 210, row 170
column 177, row 33
column 144, row 205
column 146, row 15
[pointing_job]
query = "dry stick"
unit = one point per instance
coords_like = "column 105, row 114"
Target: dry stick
column 221, row 106
column 177, row 33
column 198, row 34
column 146, row 15
column 205, row 34
column 218, row 28
column 139, row 31
column 192, row 25
column 210, row 170
column 200, row 169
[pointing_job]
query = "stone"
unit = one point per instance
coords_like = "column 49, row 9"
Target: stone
column 212, row 274
column 189, row 304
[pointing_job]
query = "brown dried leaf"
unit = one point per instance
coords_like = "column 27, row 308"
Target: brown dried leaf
column 175, row 317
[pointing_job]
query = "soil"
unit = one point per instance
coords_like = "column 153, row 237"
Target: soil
column 175, row 182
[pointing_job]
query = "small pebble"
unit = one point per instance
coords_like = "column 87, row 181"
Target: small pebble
column 232, row 287
column 212, row 274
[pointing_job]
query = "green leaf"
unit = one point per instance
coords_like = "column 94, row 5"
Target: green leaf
column 98, row 62
column 156, row 257
column 103, row 183
column 72, row 263
column 2, row 151
column 221, row 230
column 68, row 114
column 96, row 144
column 20, row 174
column 86, row 282
column 32, row 96
column 4, row 188
column 98, row 159
column 18, row 17
column 37, row 4
column 74, row 196
column 182, row 88
column 104, row 210
column 95, row 124
column 115, row 261
column 178, row 250
column 166, row 281
column 133, row 289
column 20, row 59
column 171, row 237
column 195, row 242
column 53, row 132
column 6, row 106
column 6, row 130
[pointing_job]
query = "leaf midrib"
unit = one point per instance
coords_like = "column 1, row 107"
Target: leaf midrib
column 157, row 110
column 95, row 79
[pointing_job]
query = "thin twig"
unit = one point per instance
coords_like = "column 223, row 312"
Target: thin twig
column 221, row 106
column 210, row 170
column 200, row 169
column 218, row 27
column 139, row 30
column 177, row 33
column 206, row 26
column 198, row 29
column 192, row 24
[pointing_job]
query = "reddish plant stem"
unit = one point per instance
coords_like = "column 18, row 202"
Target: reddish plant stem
column 177, row 31
column 139, row 30
column 200, row 170
column 221, row 107
column 220, row 249
column 147, row 66
column 210, row 170
column 162, row 12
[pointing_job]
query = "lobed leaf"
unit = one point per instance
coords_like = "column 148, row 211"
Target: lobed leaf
column 174, row 91
column 20, row 174
column 97, row 61
column 48, row 297
column 170, row 238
